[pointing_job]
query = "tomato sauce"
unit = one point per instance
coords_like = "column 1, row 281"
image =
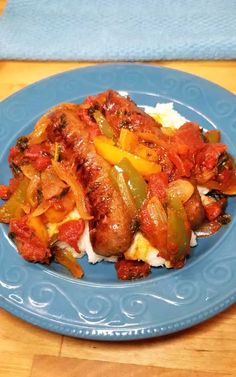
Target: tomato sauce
column 70, row 232
column 129, row 269
column 187, row 152
column 28, row 244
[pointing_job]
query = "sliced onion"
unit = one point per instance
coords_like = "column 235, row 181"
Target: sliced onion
column 29, row 171
column 152, row 138
column 39, row 133
column 31, row 194
column 26, row 208
column 77, row 189
column 230, row 191
column 42, row 207
column 157, row 211
column 227, row 188
column 181, row 188
column 52, row 185
column 66, row 258
column 207, row 229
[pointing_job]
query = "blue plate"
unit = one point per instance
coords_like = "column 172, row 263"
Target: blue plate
column 100, row 306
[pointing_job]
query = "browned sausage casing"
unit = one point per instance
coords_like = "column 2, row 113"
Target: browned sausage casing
column 195, row 210
column 122, row 112
column 111, row 227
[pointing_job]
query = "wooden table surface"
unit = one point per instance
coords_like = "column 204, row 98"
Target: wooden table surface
column 208, row 349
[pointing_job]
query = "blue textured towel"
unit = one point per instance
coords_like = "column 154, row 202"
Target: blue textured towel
column 118, row 29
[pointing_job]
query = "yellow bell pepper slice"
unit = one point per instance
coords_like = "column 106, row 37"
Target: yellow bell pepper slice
column 114, row 155
column 128, row 140
column 39, row 228
column 146, row 153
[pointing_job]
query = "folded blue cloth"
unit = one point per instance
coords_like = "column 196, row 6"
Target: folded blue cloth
column 118, row 29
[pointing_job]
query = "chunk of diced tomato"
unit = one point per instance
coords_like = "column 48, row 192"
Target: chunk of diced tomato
column 71, row 231
column 4, row 192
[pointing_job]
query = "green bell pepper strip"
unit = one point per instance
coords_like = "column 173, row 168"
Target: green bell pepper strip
column 119, row 180
column 136, row 182
column 103, row 124
column 178, row 232
column 12, row 209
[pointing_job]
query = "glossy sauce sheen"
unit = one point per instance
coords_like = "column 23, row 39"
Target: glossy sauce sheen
column 110, row 231
column 66, row 154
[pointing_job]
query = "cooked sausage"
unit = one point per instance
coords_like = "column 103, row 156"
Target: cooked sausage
column 111, row 227
column 122, row 112
column 111, row 234
column 195, row 210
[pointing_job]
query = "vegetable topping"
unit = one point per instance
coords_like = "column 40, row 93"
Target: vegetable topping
column 106, row 171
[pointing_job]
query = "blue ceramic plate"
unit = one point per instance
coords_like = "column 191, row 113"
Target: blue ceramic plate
column 100, row 306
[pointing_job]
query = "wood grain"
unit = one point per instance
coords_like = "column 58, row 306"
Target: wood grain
column 49, row 366
column 208, row 349
column 19, row 342
column 16, row 75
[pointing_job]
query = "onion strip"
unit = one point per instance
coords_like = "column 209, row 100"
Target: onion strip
column 31, row 193
column 42, row 207
column 76, row 188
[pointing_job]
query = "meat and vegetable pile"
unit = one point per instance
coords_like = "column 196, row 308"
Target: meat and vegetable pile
column 106, row 178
